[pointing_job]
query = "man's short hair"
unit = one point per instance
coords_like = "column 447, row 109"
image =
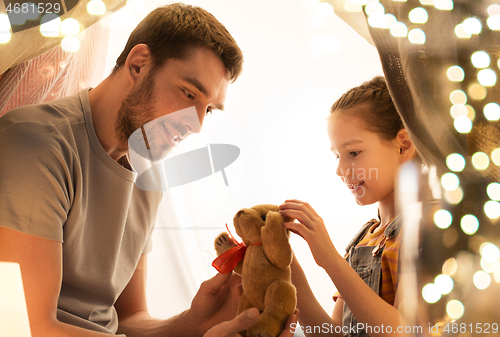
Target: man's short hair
column 171, row 31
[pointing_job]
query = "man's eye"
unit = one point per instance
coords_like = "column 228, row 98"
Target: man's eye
column 189, row 95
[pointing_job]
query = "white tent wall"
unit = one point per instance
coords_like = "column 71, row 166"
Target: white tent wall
column 299, row 58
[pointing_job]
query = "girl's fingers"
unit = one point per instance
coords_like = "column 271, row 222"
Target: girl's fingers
column 296, row 228
column 297, row 215
column 299, row 205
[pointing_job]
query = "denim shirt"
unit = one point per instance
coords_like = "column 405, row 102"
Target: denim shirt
column 368, row 267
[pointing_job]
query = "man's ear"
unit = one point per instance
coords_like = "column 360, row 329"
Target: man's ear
column 137, row 62
column 407, row 149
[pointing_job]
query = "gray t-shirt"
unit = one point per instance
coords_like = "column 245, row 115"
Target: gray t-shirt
column 57, row 182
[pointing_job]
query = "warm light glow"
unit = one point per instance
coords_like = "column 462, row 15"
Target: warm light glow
column 70, row 27
column 477, row 92
column 495, row 156
column 493, row 191
column 489, row 252
column 50, row 28
column 442, row 218
column 450, row 266
column 431, row 293
column 455, row 309
column 494, row 22
column 4, row 22
column 480, row 160
column 416, row 36
column 455, row 74
column 492, row 111
column 444, row 284
column 427, row 2
column 377, row 20
column 472, row 26
column 399, row 29
column 487, row 77
column 455, row 162
column 96, row 7
column 374, row 8
column 471, row 113
column 325, row 10
column 461, row 32
column 352, row 7
column 390, row 20
column 444, row 5
column 458, row 110
column 70, row 44
column 481, row 280
column 492, row 209
column 418, row 15
column 5, row 36
column 469, row 224
column 480, row 59
column 488, row 267
column 454, row 197
column 458, row 97
column 494, row 9
column 449, row 181
column 463, row 124
column 497, row 275
column 136, row 5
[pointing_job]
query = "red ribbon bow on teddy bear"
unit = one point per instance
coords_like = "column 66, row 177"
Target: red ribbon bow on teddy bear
column 226, row 262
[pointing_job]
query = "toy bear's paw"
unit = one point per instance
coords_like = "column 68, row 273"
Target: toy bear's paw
column 223, row 243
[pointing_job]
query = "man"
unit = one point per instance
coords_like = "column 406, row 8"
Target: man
column 70, row 212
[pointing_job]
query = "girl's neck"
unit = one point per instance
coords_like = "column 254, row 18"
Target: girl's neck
column 387, row 211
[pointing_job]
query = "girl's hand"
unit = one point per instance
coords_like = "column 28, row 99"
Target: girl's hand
column 310, row 227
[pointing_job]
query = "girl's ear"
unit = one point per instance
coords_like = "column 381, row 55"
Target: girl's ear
column 406, row 147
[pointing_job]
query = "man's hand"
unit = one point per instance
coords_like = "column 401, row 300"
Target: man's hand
column 216, row 301
column 245, row 320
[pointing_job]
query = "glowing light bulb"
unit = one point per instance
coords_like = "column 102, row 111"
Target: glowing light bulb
column 96, row 7
column 458, row 97
column 461, row 33
column 399, row 29
column 418, row 15
column 377, row 20
column 495, row 156
column 492, row 209
column 487, row 77
column 444, row 5
column 416, row 36
column 463, row 124
column 50, row 25
column 444, row 283
column 70, row 44
column 450, row 181
column 4, row 22
column 477, row 92
column 455, row 309
column 494, row 22
column 70, row 27
column 489, row 252
column 431, row 293
column 442, row 218
column 480, row 160
column 455, row 74
column 455, row 162
column 473, row 25
column 492, row 111
column 481, row 280
column 481, row 59
column 469, row 224
column 493, row 191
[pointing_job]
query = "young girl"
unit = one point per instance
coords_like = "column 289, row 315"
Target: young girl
column 369, row 140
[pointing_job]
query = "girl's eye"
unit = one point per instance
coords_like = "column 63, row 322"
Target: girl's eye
column 354, row 153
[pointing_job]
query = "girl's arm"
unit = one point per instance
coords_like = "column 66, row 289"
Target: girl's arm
column 312, row 313
column 365, row 304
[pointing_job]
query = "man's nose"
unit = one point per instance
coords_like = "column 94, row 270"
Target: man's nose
column 192, row 121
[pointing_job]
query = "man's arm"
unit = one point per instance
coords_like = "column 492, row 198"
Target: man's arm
column 41, row 268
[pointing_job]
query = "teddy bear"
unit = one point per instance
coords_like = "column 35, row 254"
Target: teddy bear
column 264, row 268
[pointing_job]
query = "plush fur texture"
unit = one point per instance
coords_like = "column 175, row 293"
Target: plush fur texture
column 265, row 269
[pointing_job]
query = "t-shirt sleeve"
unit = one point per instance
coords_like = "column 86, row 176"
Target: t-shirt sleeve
column 35, row 180
column 154, row 201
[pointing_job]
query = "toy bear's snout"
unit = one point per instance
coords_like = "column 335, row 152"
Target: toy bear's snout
column 240, row 213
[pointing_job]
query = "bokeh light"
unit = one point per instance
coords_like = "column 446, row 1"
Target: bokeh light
column 477, row 91
column 473, row 26
column 374, row 8
column 416, row 36
column 489, row 267
column 481, row 280
column 458, row 110
column 427, row 2
column 493, row 9
column 492, row 209
column 463, row 124
column 495, row 156
column 454, row 197
column 50, row 26
column 431, row 293
column 480, row 160
column 492, row 111
column 444, row 5
column 461, row 33
column 487, row 77
column 455, row 74
column 70, row 27
column 418, row 15
column 458, row 97
column 399, row 29
column 442, row 218
column 489, row 252
column 494, row 22
column 455, row 309
column 449, row 181
column 455, row 162
column 96, row 7
column 450, row 266
column 325, row 10
column 480, row 59
column 444, row 283
column 469, row 224
column 493, row 191
column 70, row 44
